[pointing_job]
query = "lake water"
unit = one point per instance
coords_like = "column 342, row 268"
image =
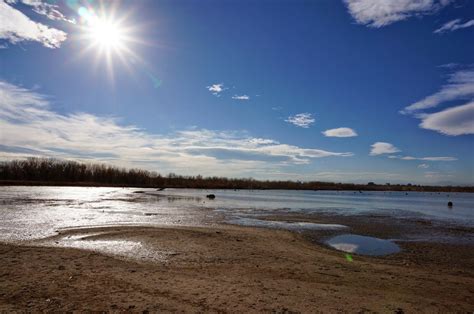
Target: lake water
column 35, row 212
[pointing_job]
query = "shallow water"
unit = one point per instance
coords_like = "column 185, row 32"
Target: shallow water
column 37, row 212
column 28, row 213
column 294, row 226
column 432, row 206
column 353, row 243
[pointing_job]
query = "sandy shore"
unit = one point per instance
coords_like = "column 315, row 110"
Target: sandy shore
column 234, row 269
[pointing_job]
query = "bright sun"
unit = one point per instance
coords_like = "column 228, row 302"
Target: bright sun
column 106, row 34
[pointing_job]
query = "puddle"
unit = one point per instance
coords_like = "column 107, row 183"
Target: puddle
column 283, row 225
column 363, row 245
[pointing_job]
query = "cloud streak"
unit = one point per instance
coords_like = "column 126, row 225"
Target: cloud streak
column 424, row 158
column 460, row 86
column 30, row 128
column 241, row 97
column 453, row 26
column 16, row 27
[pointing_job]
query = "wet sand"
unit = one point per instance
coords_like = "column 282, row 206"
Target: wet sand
column 235, row 269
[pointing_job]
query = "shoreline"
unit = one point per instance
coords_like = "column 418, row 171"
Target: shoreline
column 348, row 187
column 233, row 268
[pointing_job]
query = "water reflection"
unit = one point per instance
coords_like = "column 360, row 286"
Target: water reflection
column 109, row 244
column 352, row 243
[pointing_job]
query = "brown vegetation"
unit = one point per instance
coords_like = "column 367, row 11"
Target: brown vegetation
column 43, row 171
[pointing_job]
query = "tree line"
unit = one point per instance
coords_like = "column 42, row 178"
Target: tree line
column 47, row 171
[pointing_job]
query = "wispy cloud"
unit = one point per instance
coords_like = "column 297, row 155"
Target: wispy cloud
column 51, row 11
column 359, row 176
column 380, row 148
column 30, row 128
column 460, row 86
column 453, row 26
column 450, row 65
column 16, row 26
column 434, row 175
column 216, row 89
column 423, row 158
column 457, row 120
column 241, row 97
column 378, row 13
column 302, row 120
column 423, row 166
column 340, row 132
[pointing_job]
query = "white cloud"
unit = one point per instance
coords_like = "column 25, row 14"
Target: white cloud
column 460, row 86
column 453, row 26
column 380, row 148
column 216, row 89
column 340, row 132
column 303, row 120
column 241, row 97
column 423, row 166
column 16, row 26
column 378, row 13
column 30, row 128
column 457, row 120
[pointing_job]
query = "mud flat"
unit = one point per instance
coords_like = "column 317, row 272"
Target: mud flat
column 228, row 269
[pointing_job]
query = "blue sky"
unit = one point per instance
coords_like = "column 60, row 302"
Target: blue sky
column 353, row 91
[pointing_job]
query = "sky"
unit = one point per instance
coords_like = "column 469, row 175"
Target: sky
column 328, row 90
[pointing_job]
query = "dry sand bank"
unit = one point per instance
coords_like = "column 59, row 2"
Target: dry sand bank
column 233, row 269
